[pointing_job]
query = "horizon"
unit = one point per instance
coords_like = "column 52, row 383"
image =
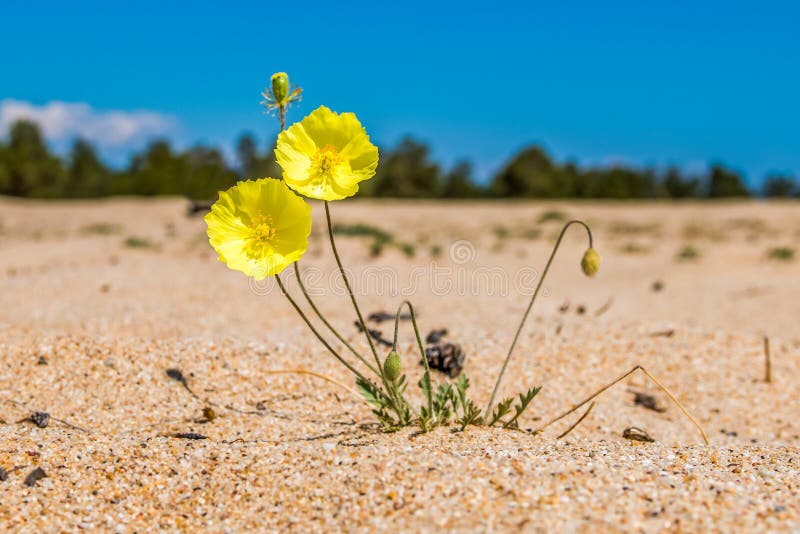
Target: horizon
column 628, row 84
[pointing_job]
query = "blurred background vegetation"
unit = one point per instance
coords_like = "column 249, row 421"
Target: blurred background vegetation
column 29, row 169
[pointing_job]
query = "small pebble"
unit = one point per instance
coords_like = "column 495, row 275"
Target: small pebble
column 657, row 286
column 190, row 435
column 40, row 419
column 35, row 476
column 637, row 434
column 176, row 374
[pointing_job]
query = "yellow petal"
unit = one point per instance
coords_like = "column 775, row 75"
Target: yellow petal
column 326, row 155
column 259, row 227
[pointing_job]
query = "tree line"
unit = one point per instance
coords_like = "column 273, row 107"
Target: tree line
column 29, row 169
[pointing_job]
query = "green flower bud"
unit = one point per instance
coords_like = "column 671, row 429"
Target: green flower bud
column 590, row 262
column 392, row 367
column 280, row 87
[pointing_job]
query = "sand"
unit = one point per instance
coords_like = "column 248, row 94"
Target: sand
column 91, row 320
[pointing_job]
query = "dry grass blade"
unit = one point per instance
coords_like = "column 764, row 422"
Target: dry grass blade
column 618, row 380
column 767, row 362
column 576, row 423
column 604, row 308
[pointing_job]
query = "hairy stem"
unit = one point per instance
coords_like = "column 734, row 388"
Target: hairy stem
column 314, row 330
column 328, row 324
column 419, row 343
column 352, row 295
column 530, row 306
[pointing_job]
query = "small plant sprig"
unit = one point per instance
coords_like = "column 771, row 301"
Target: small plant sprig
column 261, row 226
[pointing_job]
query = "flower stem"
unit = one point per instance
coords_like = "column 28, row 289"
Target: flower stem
column 530, row 306
column 328, row 324
column 314, row 330
column 419, row 343
column 416, row 330
column 352, row 296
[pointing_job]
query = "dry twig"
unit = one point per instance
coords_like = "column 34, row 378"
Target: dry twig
column 618, row 380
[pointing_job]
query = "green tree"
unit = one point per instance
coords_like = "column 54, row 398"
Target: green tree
column 532, row 174
column 30, row 168
column 156, row 171
column 725, row 183
column 255, row 165
column 458, row 183
column 206, row 173
column 619, row 182
column 86, row 175
column 5, row 172
column 408, row 172
column 247, row 154
column 780, row 187
column 676, row 186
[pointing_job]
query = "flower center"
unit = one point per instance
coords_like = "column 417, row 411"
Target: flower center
column 326, row 159
column 262, row 232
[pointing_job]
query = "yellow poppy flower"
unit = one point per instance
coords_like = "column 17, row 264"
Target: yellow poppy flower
column 259, row 227
column 326, row 155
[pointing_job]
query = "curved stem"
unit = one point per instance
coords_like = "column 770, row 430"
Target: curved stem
column 419, row 343
column 530, row 306
column 328, row 324
column 314, row 330
column 352, row 296
column 416, row 330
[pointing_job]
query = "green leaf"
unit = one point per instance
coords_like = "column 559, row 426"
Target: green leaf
column 471, row 416
column 368, row 390
column 462, row 385
column 525, row 400
column 502, row 409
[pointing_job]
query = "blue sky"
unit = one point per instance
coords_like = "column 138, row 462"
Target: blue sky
column 646, row 83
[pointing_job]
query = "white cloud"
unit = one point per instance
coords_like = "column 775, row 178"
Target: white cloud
column 63, row 121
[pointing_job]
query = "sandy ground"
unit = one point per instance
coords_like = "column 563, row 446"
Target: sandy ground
column 101, row 298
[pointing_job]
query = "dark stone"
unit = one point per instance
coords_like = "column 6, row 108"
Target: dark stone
column 637, row 434
column 190, row 435
column 176, row 375
column 40, row 419
column 435, row 336
column 379, row 317
column 35, row 476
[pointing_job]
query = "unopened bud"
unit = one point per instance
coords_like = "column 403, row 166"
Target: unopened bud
column 590, row 262
column 280, row 87
column 393, row 366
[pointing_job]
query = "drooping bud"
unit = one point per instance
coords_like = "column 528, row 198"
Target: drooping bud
column 393, row 366
column 590, row 262
column 280, row 87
